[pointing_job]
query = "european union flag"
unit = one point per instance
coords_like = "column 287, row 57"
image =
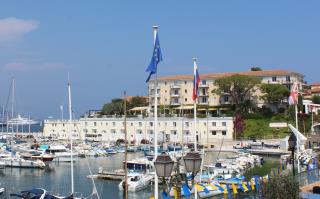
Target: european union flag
column 156, row 58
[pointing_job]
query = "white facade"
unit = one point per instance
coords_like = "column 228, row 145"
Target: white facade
column 171, row 129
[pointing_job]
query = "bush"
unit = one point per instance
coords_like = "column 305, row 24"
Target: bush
column 260, row 170
column 281, row 187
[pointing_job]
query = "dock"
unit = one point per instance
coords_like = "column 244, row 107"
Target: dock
column 117, row 175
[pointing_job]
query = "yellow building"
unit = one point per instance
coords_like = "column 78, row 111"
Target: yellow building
column 177, row 90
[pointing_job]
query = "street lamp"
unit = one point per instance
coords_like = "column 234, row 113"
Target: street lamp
column 163, row 165
column 292, row 141
column 192, row 162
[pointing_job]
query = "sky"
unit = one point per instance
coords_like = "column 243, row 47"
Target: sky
column 105, row 46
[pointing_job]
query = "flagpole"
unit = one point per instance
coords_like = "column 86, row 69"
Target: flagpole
column 156, row 189
column 298, row 138
column 195, row 119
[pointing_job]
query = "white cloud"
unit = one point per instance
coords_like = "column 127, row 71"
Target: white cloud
column 12, row 29
column 22, row 66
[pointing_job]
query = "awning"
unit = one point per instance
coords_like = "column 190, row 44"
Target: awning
column 187, row 107
column 142, row 108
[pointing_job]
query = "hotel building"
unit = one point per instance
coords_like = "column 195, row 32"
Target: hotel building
column 177, row 90
column 210, row 130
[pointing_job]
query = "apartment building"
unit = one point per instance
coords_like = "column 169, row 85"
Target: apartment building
column 177, row 90
column 210, row 130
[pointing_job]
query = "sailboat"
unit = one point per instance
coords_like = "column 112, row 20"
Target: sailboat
column 39, row 193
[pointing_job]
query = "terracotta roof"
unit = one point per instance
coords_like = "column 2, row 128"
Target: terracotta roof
column 316, row 90
column 315, row 84
column 220, row 75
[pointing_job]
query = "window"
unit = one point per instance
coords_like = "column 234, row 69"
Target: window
column 86, row 123
column 62, row 124
column 185, row 91
column 174, row 132
column 165, row 83
column 150, row 132
column 150, row 123
column 174, row 123
column 94, row 123
column 214, row 132
column 131, row 124
column 224, row 123
column 288, row 78
column 204, row 124
column 113, row 123
column 214, row 124
column 224, row 133
column 185, row 82
column 204, row 100
column 186, row 123
column 226, row 98
column 185, row 99
column 274, row 79
column 140, row 124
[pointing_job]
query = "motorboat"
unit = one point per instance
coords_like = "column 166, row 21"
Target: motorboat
column 2, row 190
column 111, row 151
column 22, row 163
column 38, row 194
column 61, row 153
column 137, row 181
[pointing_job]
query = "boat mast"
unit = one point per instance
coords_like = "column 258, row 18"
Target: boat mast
column 12, row 102
column 126, row 148
column 71, row 138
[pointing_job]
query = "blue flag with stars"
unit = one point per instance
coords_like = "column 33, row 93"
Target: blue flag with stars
column 156, row 58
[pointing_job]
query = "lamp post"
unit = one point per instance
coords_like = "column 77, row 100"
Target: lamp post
column 292, row 141
column 164, row 166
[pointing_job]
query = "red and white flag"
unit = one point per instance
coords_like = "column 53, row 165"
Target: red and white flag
column 293, row 98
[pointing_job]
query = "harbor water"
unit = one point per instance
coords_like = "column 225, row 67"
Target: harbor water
column 56, row 179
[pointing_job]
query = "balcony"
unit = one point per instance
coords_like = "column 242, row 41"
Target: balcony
column 175, row 103
column 203, row 94
column 175, row 86
column 175, row 94
column 224, row 102
column 201, row 85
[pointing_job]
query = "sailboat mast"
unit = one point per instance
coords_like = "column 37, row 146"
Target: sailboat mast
column 71, row 138
column 126, row 148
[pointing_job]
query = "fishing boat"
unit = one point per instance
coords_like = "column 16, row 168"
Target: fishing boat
column 136, row 181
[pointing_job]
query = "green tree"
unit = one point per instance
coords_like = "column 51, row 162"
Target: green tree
column 240, row 88
column 115, row 107
column 281, row 187
column 137, row 101
column 316, row 99
column 274, row 94
column 256, row 69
